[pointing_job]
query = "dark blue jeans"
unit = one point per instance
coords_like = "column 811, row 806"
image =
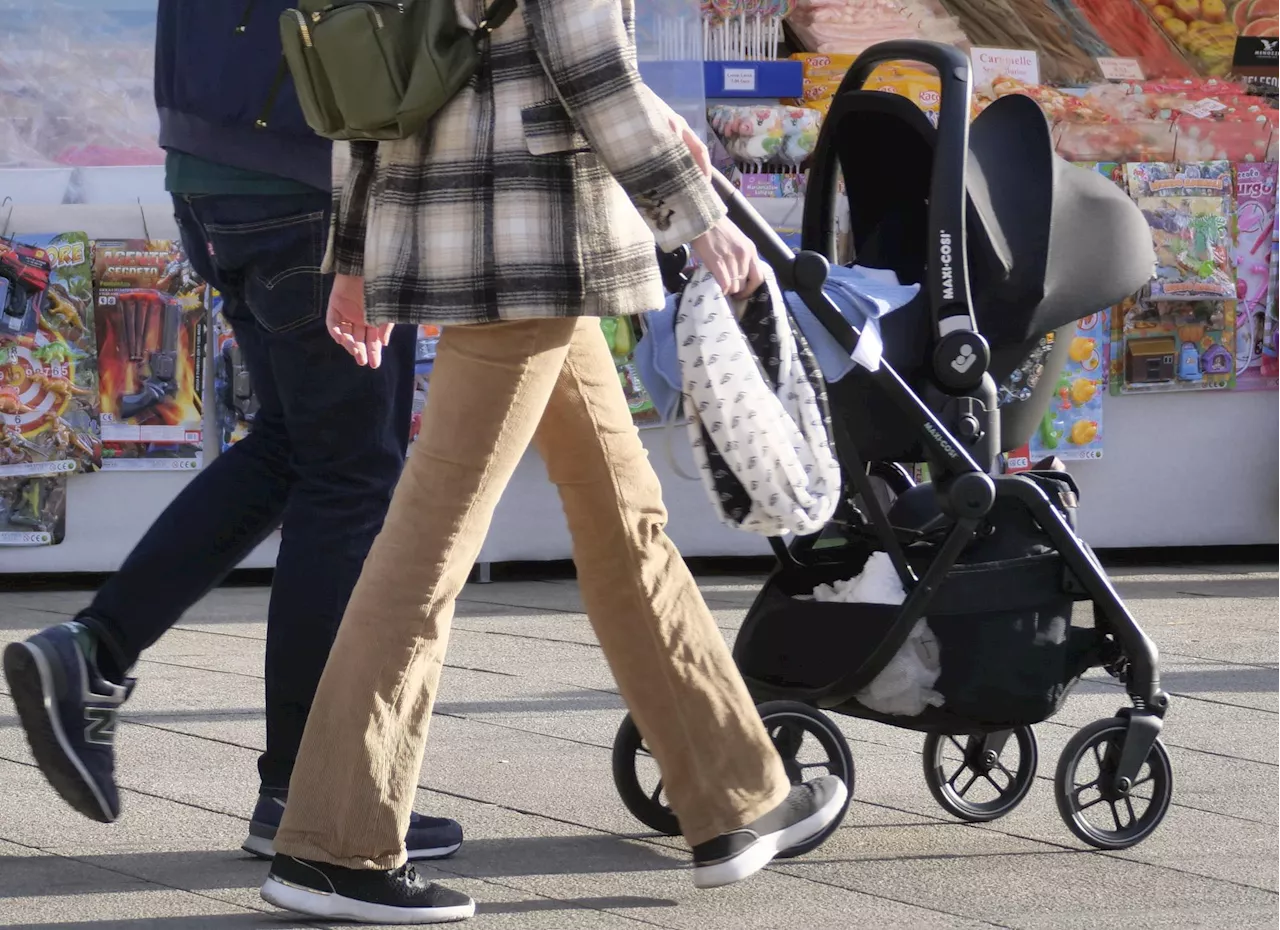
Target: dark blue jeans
column 321, row 461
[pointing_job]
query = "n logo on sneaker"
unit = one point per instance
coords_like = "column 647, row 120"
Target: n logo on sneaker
column 100, row 725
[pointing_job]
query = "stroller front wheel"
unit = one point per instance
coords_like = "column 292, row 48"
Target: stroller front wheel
column 809, row 742
column 1102, row 813
column 975, row 778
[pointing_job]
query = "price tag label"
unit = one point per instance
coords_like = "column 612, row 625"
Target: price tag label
column 991, row 63
column 740, row 79
column 1121, row 69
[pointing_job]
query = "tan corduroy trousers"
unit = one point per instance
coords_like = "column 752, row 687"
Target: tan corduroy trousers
column 494, row 388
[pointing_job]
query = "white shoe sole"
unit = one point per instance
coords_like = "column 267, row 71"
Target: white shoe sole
column 264, row 848
column 763, row 851
column 336, row 907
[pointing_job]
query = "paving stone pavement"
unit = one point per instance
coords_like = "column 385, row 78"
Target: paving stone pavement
column 519, row 754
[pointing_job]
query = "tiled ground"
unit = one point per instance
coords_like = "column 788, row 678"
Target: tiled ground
column 520, row 754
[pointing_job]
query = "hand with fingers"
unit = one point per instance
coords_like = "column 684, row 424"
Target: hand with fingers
column 346, row 322
column 731, row 258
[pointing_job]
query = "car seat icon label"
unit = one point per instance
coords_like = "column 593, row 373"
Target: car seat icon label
column 964, row 361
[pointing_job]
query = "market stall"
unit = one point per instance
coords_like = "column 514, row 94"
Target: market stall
column 121, row 380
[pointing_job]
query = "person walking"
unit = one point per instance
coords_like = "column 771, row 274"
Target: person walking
column 251, row 194
column 528, row 208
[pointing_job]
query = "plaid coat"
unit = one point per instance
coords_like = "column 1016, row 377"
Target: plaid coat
column 537, row 192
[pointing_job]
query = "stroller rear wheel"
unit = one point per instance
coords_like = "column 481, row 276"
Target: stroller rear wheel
column 639, row 783
column 976, row 778
column 1096, row 809
column 809, row 742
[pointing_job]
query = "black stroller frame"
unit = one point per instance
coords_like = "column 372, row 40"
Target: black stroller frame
column 960, row 444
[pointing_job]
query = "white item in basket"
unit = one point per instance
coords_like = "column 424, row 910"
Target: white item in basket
column 904, row 686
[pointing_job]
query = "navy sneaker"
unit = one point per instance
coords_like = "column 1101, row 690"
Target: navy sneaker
column 427, row 837
column 69, row 713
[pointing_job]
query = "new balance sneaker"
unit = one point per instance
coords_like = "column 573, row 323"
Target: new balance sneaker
column 69, row 713
column 426, row 838
column 398, row 896
column 803, row 814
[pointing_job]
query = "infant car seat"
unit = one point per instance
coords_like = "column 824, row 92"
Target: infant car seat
column 1048, row 243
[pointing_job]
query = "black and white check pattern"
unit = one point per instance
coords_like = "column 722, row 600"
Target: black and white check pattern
column 537, row 192
column 757, row 411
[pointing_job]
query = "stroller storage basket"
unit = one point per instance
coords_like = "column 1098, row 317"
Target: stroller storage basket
column 1009, row 654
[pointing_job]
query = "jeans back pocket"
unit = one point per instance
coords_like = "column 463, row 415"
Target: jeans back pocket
column 278, row 259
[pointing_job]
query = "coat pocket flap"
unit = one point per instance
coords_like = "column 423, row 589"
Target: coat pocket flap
column 548, row 129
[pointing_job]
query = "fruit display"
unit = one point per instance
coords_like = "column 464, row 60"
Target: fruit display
column 1256, row 17
column 1125, row 26
column 1201, row 28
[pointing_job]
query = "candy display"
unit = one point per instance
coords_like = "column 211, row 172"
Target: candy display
column 48, row 360
column 839, row 27
column 741, row 30
column 1024, row 24
column 766, row 135
column 150, row 326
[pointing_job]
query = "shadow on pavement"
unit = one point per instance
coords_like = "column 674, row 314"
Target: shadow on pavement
column 207, row 870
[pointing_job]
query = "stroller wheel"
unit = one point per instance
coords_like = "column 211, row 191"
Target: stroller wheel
column 1094, row 807
column 977, row 778
column 639, row 783
column 811, row 745
column 808, row 741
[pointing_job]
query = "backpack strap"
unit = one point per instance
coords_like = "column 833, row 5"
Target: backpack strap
column 243, row 26
column 494, row 17
column 282, row 72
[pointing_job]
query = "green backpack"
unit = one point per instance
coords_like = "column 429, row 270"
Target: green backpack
column 378, row 69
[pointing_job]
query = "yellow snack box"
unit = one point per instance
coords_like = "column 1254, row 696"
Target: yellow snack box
column 824, row 67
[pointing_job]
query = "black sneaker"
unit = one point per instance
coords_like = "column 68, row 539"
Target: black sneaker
column 398, row 896
column 69, row 713
column 426, row 838
column 802, row 815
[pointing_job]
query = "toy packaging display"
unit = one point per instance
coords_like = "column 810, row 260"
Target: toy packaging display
column 150, row 311
column 48, row 361
column 1167, row 345
column 33, row 510
column 235, row 403
column 621, row 336
column 1072, row 427
column 424, row 361
column 1188, row 207
column 1255, row 224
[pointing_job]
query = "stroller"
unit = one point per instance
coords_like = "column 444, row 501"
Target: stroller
column 1010, row 243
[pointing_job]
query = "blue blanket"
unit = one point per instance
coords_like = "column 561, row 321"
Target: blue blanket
column 863, row 296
